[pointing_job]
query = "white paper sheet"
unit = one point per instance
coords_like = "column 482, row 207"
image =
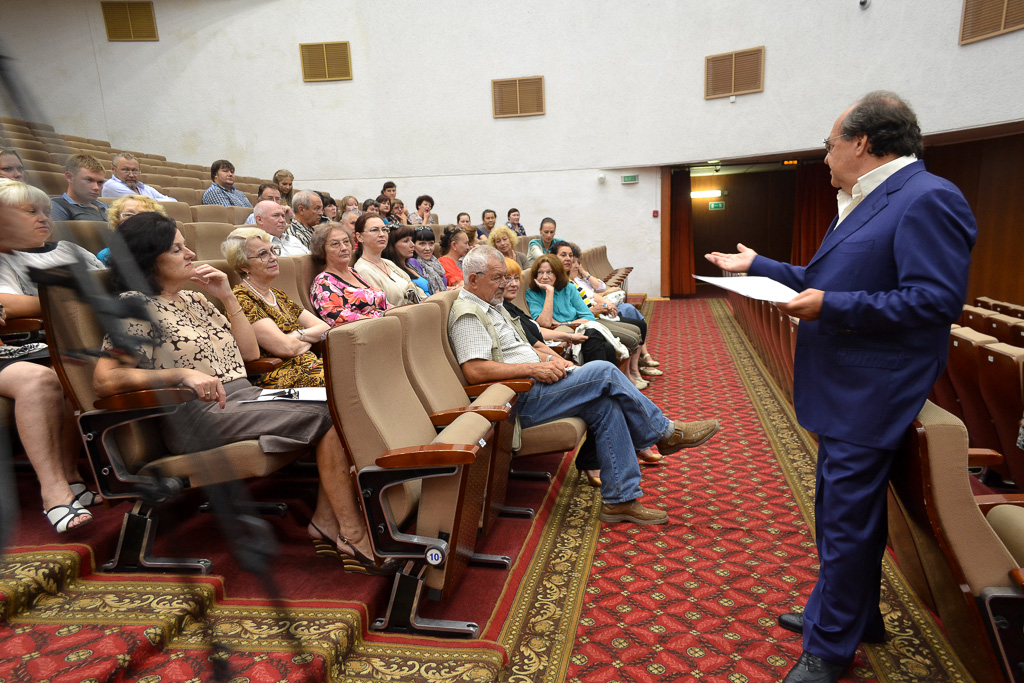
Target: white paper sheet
column 300, row 394
column 754, row 287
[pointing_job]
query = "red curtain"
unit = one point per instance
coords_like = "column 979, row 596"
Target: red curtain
column 815, row 209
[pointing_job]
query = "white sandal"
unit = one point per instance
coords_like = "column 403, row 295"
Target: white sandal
column 61, row 516
column 83, row 496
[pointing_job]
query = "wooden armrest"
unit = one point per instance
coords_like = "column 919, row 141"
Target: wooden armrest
column 989, row 500
column 146, row 398
column 516, row 385
column 983, row 457
column 1017, row 576
column 262, row 365
column 21, row 325
column 430, row 455
column 443, row 418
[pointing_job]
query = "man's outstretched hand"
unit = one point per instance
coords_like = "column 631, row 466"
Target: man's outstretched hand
column 733, row 263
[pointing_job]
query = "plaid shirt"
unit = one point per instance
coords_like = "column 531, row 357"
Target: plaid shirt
column 470, row 340
column 215, row 194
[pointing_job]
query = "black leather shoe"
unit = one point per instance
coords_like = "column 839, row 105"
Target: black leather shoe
column 813, row 669
column 792, row 621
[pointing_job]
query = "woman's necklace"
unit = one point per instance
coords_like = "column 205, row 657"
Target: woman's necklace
column 379, row 266
column 272, row 303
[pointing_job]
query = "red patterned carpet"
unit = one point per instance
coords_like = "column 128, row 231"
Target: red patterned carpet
column 695, row 600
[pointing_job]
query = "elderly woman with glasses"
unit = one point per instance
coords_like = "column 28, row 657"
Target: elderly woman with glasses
column 338, row 293
column 282, row 327
column 372, row 235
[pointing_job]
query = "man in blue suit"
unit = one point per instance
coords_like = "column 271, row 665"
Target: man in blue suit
column 875, row 305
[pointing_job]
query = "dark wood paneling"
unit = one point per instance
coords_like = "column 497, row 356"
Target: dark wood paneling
column 681, row 238
column 758, row 212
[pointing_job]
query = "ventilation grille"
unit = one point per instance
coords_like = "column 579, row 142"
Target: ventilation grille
column 326, row 62
column 734, row 73
column 129, row 21
column 517, row 96
column 988, row 18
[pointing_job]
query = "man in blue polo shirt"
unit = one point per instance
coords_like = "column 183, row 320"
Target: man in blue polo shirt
column 85, row 178
column 222, row 190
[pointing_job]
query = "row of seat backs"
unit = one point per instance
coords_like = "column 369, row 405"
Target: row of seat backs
column 1004, row 307
column 986, row 390
column 1007, row 327
column 949, row 552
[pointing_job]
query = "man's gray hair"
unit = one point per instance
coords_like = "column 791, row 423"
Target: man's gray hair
column 128, row 156
column 478, row 259
column 350, row 211
column 303, row 199
column 260, row 211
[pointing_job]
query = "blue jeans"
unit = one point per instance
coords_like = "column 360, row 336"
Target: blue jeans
column 620, row 419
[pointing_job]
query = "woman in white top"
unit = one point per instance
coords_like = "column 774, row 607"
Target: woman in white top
column 372, row 235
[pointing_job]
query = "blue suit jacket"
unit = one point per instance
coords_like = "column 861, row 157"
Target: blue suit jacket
column 894, row 275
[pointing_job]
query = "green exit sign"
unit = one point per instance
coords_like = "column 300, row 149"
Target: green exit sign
column 630, row 179
column 716, row 206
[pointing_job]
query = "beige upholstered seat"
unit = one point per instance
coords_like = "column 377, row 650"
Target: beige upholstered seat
column 92, row 235
column 205, row 238
column 405, row 469
column 179, row 211
column 966, row 568
column 212, row 213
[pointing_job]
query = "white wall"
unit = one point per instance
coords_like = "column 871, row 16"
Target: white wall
column 624, row 88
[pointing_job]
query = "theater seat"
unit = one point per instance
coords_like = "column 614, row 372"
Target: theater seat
column 91, row 235
column 966, row 568
column 179, row 211
column 205, row 238
column 240, row 214
column 52, row 183
column 963, row 373
column 974, row 318
column 212, row 213
column 1002, row 327
column 1001, row 383
column 407, row 472
column 184, row 195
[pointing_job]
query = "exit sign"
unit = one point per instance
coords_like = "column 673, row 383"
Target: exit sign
column 630, row 179
column 716, row 206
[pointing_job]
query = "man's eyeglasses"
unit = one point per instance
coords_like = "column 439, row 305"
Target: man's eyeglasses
column 828, row 142
column 502, row 279
column 264, row 254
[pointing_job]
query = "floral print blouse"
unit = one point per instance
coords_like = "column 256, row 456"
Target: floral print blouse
column 336, row 301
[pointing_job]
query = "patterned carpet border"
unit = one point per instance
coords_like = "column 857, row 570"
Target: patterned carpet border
column 917, row 650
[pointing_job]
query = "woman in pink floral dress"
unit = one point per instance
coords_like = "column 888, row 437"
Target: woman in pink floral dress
column 339, row 294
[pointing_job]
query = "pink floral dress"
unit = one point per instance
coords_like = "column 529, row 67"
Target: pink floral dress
column 336, row 301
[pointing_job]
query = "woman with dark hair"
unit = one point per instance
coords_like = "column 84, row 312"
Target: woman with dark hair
column 401, row 251
column 454, row 245
column 399, row 211
column 513, row 223
column 386, row 210
column 425, row 263
column 371, row 206
column 554, row 301
column 330, row 207
column 338, row 293
column 384, row 274
column 424, row 204
column 192, row 344
column 542, row 246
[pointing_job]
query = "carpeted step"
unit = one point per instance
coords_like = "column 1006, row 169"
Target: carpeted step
column 419, row 665
column 26, row 576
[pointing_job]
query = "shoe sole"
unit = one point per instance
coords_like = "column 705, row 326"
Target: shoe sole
column 627, row 518
column 678, row 447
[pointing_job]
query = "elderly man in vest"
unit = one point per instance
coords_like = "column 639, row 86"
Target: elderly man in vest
column 491, row 347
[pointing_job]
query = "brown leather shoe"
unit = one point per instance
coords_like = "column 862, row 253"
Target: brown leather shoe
column 632, row 511
column 688, row 435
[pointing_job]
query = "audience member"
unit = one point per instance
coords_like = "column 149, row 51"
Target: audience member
column 371, row 206
column 504, row 240
column 542, row 246
column 553, row 301
column 399, row 211
column 284, row 179
column 338, row 293
column 26, row 234
column 308, row 210
column 513, row 223
column 194, row 345
column 568, row 254
column 389, row 189
column 425, row 263
column 282, row 327
column 330, row 208
column 222, row 190
column 126, row 206
column 424, row 204
column 348, row 222
column 372, row 235
column 125, row 180
column 384, row 202
column 401, row 250
column 45, row 422
column 268, row 192
column 84, row 174
column 454, row 245
column 348, row 203
column 489, row 218
column 11, row 165
column 620, row 419
column 270, row 217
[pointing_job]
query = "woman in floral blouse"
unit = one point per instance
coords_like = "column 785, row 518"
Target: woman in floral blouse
column 339, row 294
